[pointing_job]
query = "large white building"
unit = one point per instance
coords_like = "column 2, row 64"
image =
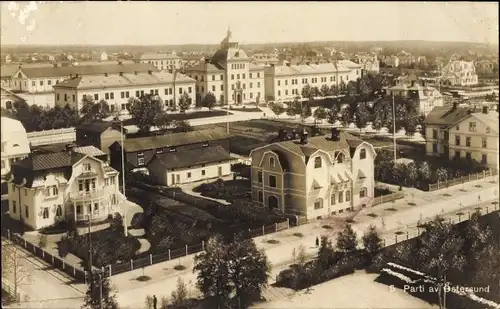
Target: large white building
column 117, row 90
column 368, row 62
column 167, row 62
column 229, row 75
column 15, row 143
column 459, row 132
column 314, row 176
column 459, row 73
column 427, row 97
column 65, row 186
column 285, row 82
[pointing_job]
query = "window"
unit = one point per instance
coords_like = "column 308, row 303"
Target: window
column 341, row 197
column 57, row 96
column 202, row 172
column 272, row 162
column 472, row 127
column 259, row 176
column 258, row 84
column 221, row 87
column 347, row 196
column 243, row 76
column 41, row 83
column 45, row 213
column 272, row 181
column 484, row 144
column 434, row 148
column 467, row 141
column 251, row 85
column 190, row 89
column 65, row 97
column 488, row 130
column 137, row 94
column 457, row 154
column 213, row 77
column 188, row 174
column 51, row 191
column 96, row 97
column 258, row 75
column 318, row 204
column 484, row 159
column 317, row 162
column 33, row 83
column 49, row 82
column 249, row 75
column 106, row 96
column 170, row 90
column 363, row 192
column 180, row 90
column 26, row 211
column 140, row 161
column 156, row 93
column 340, row 158
column 457, row 127
column 332, row 199
column 279, row 93
column 222, row 77
column 468, row 156
column 14, row 206
column 127, row 94
column 362, row 154
column 25, row 192
column 232, row 76
column 213, row 88
column 86, row 167
column 279, row 83
column 457, row 140
column 434, row 134
column 237, row 76
column 260, row 197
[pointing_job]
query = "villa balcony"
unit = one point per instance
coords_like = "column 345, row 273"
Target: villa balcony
column 82, row 196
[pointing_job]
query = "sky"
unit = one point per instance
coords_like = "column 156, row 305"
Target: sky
column 165, row 23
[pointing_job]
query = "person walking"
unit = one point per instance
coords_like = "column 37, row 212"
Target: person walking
column 317, row 241
column 155, row 302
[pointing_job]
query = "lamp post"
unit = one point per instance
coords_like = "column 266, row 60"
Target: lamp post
column 394, row 126
column 125, row 227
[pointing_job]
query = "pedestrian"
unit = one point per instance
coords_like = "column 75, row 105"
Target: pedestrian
column 155, row 301
column 317, row 241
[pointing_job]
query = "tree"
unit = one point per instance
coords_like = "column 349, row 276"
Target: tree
column 180, row 294
column 372, row 241
column 345, row 117
column 301, row 255
column 100, row 290
column 209, row 101
column 352, row 89
column 332, row 115
column 477, row 236
column 399, row 173
column 13, row 268
column 144, row 111
column 362, row 115
column 326, row 253
column 162, row 121
column 277, row 108
column 306, row 112
column 320, row 113
column 307, row 92
column 411, row 173
column 294, row 108
column 184, row 102
column 334, row 90
column 314, row 92
column 92, row 111
column 378, row 121
column 42, row 241
column 421, row 125
column 325, row 90
column 182, row 126
column 424, row 172
column 347, row 239
column 213, row 271
column 441, row 174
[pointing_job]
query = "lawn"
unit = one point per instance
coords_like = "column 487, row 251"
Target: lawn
column 229, row 190
column 187, row 116
column 242, row 145
column 246, row 109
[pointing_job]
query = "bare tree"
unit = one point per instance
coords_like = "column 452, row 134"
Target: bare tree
column 13, row 269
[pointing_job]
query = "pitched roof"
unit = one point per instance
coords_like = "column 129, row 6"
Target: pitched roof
column 285, row 70
column 47, row 161
column 192, row 157
column 90, row 151
column 52, row 72
column 206, row 67
column 124, row 80
column 490, row 119
column 445, row 115
column 318, row 143
column 96, row 127
column 152, row 56
column 175, row 139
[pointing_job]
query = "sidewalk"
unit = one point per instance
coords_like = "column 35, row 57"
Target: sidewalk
column 132, row 293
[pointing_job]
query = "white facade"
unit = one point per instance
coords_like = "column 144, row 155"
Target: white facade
column 117, row 90
column 459, row 73
column 192, row 174
column 428, row 97
column 92, row 190
column 369, row 63
column 168, row 62
column 15, row 143
column 104, row 56
column 284, row 83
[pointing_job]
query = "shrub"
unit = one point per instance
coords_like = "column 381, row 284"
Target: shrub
column 179, row 267
column 56, row 228
column 137, row 221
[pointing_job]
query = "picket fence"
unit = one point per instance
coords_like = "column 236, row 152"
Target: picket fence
column 73, row 271
column 387, row 198
column 461, row 180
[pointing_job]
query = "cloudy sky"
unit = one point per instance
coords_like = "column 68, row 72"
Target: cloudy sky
column 155, row 23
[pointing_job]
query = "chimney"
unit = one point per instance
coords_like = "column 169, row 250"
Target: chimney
column 76, row 75
column 272, row 65
column 150, row 72
column 106, row 74
column 485, row 110
column 121, row 73
column 303, row 137
column 335, row 134
column 135, row 73
column 71, row 75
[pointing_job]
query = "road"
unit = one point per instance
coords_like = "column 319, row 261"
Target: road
column 47, row 288
column 131, row 293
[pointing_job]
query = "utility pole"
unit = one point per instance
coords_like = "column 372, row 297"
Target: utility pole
column 90, row 253
column 125, row 228
column 100, row 290
column 394, row 126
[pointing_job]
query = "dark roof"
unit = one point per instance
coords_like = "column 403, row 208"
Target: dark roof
column 96, row 127
column 88, row 70
column 352, row 141
column 445, row 115
column 192, row 157
column 47, row 161
column 176, row 139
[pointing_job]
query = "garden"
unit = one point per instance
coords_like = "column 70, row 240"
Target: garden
column 245, row 109
column 229, row 190
column 423, row 171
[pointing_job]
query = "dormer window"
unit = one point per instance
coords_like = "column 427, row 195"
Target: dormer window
column 205, row 145
column 158, row 151
column 317, row 162
column 340, row 158
column 272, row 162
column 172, row 149
column 86, row 167
column 362, row 154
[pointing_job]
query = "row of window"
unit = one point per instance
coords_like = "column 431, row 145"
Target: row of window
column 468, row 155
column 49, row 82
column 484, row 141
column 314, row 80
column 237, row 66
column 243, row 75
column 156, row 62
column 45, row 210
column 126, row 94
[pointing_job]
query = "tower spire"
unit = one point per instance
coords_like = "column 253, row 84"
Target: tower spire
column 228, row 31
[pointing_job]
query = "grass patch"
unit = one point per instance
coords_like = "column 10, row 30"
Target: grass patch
column 143, row 278
column 298, row 234
column 371, row 214
column 327, row 227
column 382, row 191
column 391, row 209
column 179, row 267
column 273, row 241
column 246, row 109
column 411, row 204
column 226, row 190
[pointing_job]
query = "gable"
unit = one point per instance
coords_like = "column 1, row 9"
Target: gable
column 19, row 74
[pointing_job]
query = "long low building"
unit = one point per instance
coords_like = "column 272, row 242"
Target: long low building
column 117, row 90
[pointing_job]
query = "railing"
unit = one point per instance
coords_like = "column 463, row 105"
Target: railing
column 86, row 195
column 460, row 180
column 388, row 198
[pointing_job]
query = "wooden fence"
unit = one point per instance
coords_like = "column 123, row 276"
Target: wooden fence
column 387, row 198
column 460, row 180
column 73, row 271
column 50, row 132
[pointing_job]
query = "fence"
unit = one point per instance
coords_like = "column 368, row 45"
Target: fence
column 460, row 180
column 387, row 198
column 72, row 270
column 10, row 290
column 50, row 132
column 173, row 254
